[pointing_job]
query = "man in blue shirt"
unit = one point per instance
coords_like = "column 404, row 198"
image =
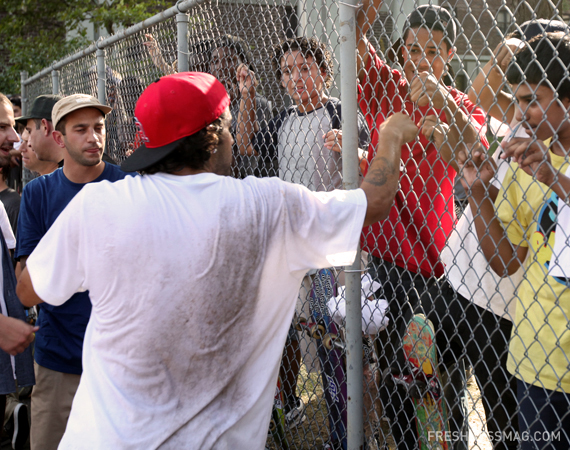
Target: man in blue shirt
column 79, row 122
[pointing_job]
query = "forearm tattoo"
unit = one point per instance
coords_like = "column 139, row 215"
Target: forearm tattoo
column 379, row 173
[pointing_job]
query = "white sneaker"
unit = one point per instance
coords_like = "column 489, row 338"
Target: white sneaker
column 296, row 415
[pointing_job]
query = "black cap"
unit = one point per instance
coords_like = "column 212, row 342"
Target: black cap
column 41, row 108
column 435, row 18
column 536, row 27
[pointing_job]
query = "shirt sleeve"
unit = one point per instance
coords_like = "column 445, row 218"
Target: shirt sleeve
column 320, row 229
column 55, row 267
column 30, row 227
column 6, row 228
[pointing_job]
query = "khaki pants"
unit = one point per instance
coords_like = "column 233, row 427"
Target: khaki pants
column 51, row 403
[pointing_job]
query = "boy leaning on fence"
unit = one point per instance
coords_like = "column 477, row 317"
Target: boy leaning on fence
column 304, row 139
column 519, row 229
column 405, row 249
column 471, row 307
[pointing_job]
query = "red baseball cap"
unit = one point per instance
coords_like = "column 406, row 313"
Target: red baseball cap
column 172, row 108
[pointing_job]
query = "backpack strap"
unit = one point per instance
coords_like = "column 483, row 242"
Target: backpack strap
column 334, row 111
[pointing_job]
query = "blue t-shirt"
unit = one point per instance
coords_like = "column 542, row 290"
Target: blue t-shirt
column 59, row 341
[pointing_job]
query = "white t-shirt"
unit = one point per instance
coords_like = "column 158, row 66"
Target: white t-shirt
column 467, row 269
column 303, row 157
column 6, row 228
column 11, row 243
column 193, row 282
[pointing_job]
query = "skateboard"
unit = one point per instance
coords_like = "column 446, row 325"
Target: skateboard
column 277, row 423
column 372, row 404
column 321, row 327
column 427, row 391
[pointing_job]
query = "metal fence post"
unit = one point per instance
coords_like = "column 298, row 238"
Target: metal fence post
column 101, row 76
column 182, row 20
column 55, row 82
column 23, row 78
column 347, row 16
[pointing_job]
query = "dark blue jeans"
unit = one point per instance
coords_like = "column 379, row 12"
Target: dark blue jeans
column 544, row 418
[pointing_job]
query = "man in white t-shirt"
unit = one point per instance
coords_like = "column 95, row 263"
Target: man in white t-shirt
column 183, row 346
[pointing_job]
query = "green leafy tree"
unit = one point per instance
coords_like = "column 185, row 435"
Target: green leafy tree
column 35, row 33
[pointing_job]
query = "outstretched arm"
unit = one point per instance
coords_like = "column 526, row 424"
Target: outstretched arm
column 486, row 89
column 381, row 181
column 246, row 119
column 364, row 20
column 156, row 56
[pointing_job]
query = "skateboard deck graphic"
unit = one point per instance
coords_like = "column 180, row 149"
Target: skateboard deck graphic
column 331, row 359
column 277, row 423
column 421, row 354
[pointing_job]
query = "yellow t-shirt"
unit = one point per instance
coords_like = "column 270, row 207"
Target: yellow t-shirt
column 539, row 350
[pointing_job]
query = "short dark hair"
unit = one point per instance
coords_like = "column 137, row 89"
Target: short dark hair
column 543, row 61
column 16, row 100
column 193, row 151
column 238, row 46
column 433, row 18
column 535, row 27
column 307, row 47
column 61, row 125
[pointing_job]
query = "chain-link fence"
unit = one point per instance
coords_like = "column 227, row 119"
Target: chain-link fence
column 453, row 331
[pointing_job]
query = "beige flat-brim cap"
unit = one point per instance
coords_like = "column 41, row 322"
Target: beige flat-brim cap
column 73, row 103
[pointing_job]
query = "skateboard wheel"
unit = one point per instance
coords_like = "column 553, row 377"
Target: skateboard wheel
column 299, row 324
column 328, row 341
column 272, row 426
column 318, row 331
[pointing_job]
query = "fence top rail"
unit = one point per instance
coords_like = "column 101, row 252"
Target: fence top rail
column 180, row 7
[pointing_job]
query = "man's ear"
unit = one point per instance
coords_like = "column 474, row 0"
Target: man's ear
column 45, row 127
column 58, row 138
column 451, row 53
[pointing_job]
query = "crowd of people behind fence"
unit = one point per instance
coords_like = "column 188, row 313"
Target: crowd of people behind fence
column 151, row 285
